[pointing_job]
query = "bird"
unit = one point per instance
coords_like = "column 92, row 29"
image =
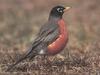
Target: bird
column 51, row 39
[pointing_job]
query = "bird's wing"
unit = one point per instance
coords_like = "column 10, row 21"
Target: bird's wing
column 48, row 33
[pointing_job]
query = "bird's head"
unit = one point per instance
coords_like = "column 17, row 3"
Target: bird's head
column 58, row 11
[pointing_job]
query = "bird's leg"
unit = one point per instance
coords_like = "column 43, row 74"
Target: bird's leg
column 41, row 60
column 46, row 60
column 58, row 60
column 68, row 58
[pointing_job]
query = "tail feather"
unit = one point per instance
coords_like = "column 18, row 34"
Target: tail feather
column 27, row 55
column 12, row 66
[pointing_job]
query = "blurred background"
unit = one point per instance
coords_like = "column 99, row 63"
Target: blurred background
column 20, row 21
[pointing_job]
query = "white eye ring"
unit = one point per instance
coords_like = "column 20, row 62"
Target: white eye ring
column 59, row 10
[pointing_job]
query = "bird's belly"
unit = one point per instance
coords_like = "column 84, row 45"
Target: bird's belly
column 58, row 45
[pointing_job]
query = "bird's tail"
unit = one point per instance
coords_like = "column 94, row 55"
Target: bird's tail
column 21, row 59
column 12, row 66
column 29, row 54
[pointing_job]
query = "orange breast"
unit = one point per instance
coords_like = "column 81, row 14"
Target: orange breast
column 61, row 41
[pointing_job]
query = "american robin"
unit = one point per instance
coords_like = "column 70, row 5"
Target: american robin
column 51, row 38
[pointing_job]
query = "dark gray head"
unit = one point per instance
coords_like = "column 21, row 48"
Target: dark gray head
column 58, row 11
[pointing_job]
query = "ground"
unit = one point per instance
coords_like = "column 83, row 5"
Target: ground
column 20, row 21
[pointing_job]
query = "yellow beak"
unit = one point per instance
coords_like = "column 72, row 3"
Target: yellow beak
column 66, row 9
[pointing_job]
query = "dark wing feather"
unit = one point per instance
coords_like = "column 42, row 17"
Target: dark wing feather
column 49, row 32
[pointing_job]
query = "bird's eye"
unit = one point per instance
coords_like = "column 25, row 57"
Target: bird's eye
column 59, row 10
